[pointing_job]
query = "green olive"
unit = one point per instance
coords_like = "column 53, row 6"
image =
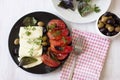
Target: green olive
column 107, row 25
column 16, row 41
column 40, row 23
column 100, row 25
column 44, row 38
column 110, row 28
column 117, row 29
column 104, row 19
column 44, row 43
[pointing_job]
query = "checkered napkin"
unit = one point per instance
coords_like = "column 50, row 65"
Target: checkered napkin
column 90, row 62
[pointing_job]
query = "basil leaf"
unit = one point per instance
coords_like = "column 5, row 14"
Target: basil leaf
column 96, row 9
column 27, row 60
column 29, row 21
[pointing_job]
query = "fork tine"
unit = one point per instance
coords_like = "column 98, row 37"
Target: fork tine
column 79, row 40
column 79, row 44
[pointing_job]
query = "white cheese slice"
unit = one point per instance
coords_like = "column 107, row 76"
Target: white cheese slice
column 30, row 43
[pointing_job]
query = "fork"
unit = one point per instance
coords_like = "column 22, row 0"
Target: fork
column 78, row 47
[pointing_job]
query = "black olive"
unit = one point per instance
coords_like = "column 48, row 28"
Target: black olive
column 114, row 16
column 15, row 51
column 114, row 33
column 117, row 21
column 44, row 30
column 48, row 43
column 45, row 49
column 115, row 25
column 111, row 21
column 109, row 34
column 103, row 30
column 58, row 48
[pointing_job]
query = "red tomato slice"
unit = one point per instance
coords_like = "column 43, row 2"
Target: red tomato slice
column 56, row 35
column 49, row 61
column 56, row 42
column 62, row 42
column 64, row 32
column 59, row 23
column 67, row 49
column 61, row 56
column 68, row 39
column 64, row 49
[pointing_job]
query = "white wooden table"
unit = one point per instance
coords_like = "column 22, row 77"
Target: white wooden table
column 12, row 10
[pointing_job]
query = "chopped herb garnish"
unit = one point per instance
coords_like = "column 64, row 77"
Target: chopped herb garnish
column 29, row 41
column 33, row 28
column 63, row 38
column 57, row 33
column 31, row 51
column 51, row 27
column 28, row 33
column 36, row 41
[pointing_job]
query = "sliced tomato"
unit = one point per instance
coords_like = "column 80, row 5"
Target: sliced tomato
column 64, row 32
column 59, row 23
column 49, row 61
column 56, row 42
column 68, row 39
column 56, row 35
column 61, row 49
column 67, row 49
column 64, row 41
column 61, row 56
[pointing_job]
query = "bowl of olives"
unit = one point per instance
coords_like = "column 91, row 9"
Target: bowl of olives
column 108, row 25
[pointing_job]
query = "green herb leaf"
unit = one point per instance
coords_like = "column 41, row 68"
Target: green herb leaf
column 51, row 27
column 31, row 51
column 27, row 60
column 96, row 9
column 33, row 28
column 28, row 33
column 57, row 33
column 63, row 38
column 85, row 10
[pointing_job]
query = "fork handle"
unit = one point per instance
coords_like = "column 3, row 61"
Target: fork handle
column 73, row 68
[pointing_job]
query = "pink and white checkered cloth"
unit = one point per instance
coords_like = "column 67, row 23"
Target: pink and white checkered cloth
column 90, row 63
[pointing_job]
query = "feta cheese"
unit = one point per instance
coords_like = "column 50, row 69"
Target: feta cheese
column 30, row 43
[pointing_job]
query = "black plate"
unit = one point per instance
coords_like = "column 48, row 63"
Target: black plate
column 39, row 16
